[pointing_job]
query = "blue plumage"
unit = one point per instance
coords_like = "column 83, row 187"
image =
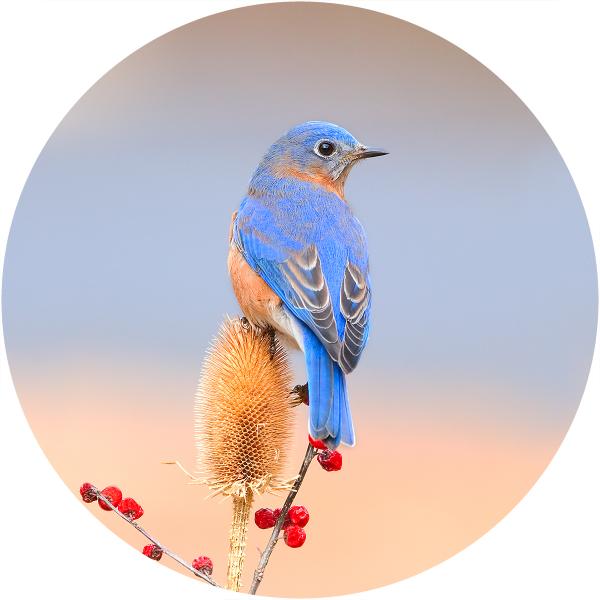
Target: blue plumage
column 295, row 230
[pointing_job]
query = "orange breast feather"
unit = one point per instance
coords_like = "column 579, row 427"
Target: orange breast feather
column 256, row 299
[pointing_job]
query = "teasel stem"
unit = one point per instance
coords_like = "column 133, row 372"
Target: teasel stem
column 311, row 452
column 237, row 540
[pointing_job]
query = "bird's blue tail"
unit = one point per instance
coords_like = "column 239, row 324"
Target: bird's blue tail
column 330, row 418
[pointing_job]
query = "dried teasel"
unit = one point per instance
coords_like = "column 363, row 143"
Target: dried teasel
column 244, row 422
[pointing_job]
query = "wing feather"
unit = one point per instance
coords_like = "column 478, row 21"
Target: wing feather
column 355, row 304
column 310, row 292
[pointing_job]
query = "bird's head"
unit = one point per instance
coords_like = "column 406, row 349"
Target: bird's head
column 316, row 151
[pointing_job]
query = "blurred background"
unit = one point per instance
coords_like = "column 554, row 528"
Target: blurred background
column 484, row 285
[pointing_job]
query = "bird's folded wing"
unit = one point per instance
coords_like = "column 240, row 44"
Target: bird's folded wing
column 297, row 277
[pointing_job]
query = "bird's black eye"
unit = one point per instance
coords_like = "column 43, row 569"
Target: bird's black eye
column 325, row 148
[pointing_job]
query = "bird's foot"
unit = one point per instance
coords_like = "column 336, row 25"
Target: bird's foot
column 272, row 341
column 300, row 395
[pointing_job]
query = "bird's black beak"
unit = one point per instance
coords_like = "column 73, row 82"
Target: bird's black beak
column 371, row 152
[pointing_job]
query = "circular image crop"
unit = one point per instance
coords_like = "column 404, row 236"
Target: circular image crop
column 443, row 295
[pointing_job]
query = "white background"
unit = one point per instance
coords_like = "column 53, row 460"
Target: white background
column 52, row 52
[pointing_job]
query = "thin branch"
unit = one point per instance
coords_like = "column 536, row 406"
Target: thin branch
column 168, row 552
column 311, row 452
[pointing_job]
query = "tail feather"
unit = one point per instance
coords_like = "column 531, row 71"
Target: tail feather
column 320, row 386
column 346, row 426
column 335, row 414
column 330, row 418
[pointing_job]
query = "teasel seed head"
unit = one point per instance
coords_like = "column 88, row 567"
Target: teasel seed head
column 243, row 410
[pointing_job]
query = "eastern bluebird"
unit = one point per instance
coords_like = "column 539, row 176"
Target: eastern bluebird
column 298, row 263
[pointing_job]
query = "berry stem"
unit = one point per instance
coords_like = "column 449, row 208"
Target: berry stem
column 311, row 452
column 165, row 550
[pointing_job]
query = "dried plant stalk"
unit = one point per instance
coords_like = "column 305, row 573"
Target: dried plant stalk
column 237, row 540
column 244, row 421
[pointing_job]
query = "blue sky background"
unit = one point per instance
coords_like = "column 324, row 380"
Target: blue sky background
column 482, row 262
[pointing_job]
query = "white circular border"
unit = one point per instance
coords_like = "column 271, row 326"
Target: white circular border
column 547, row 546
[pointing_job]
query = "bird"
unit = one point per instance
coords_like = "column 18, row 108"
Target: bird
column 299, row 267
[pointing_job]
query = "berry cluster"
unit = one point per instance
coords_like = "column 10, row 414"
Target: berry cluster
column 131, row 510
column 330, row 460
column 297, row 516
column 293, row 525
column 126, row 506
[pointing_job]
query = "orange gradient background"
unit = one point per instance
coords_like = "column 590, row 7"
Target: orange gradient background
column 416, row 489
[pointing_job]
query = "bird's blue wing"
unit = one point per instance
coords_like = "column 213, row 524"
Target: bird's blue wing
column 300, row 282
column 307, row 277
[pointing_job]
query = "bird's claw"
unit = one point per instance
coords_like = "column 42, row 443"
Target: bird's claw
column 300, row 393
column 272, row 341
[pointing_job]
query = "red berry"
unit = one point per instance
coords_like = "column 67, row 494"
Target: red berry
column 113, row 494
column 298, row 515
column 153, row 551
column 330, row 460
column 286, row 521
column 130, row 508
column 318, row 444
column 204, row 564
column 294, row 536
column 264, row 518
column 88, row 492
